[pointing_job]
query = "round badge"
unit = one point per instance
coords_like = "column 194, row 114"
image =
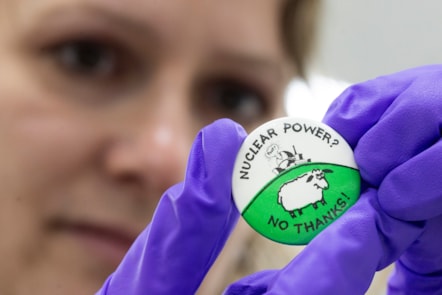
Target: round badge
column 292, row 178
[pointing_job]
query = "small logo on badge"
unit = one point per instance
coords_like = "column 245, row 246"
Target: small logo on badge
column 284, row 159
column 292, row 178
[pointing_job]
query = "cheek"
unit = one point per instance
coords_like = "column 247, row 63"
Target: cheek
column 39, row 147
column 37, row 151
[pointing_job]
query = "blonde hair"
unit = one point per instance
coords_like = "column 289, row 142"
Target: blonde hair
column 299, row 20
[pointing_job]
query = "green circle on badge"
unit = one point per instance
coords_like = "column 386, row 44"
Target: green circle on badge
column 292, row 178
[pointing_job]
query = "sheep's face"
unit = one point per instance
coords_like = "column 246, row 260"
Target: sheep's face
column 318, row 178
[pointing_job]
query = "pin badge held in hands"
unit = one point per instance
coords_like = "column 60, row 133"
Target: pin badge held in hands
column 292, row 178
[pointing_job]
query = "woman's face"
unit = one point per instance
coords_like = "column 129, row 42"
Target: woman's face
column 99, row 104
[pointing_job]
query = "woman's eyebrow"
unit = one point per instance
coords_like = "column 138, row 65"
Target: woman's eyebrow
column 253, row 63
column 130, row 23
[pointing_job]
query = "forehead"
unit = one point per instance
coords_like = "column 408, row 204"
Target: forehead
column 241, row 24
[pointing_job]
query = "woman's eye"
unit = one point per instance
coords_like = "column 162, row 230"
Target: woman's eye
column 233, row 100
column 89, row 58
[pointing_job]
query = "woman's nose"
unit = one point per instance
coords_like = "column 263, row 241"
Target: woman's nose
column 155, row 156
column 154, row 145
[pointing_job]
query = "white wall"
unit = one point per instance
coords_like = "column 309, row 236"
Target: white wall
column 361, row 39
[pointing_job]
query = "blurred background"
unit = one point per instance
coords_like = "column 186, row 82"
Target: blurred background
column 359, row 40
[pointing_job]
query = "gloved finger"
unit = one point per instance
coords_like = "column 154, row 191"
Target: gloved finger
column 191, row 223
column 362, row 105
column 419, row 269
column 409, row 126
column 413, row 191
column 256, row 283
column 344, row 257
column 406, row 281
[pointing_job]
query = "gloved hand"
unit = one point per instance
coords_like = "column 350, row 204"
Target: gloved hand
column 190, row 225
column 394, row 125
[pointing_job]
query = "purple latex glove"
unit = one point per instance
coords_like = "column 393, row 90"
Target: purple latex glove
column 394, row 125
column 190, row 225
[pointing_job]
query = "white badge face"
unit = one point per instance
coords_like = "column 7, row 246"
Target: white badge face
column 292, row 178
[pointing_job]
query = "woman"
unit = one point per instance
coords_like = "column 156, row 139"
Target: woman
column 99, row 103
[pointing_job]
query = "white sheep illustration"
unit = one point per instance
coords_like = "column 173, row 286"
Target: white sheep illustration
column 304, row 190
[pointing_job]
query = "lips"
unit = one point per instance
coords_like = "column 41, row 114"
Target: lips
column 101, row 241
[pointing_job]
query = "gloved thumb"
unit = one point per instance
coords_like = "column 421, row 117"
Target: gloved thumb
column 191, row 223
